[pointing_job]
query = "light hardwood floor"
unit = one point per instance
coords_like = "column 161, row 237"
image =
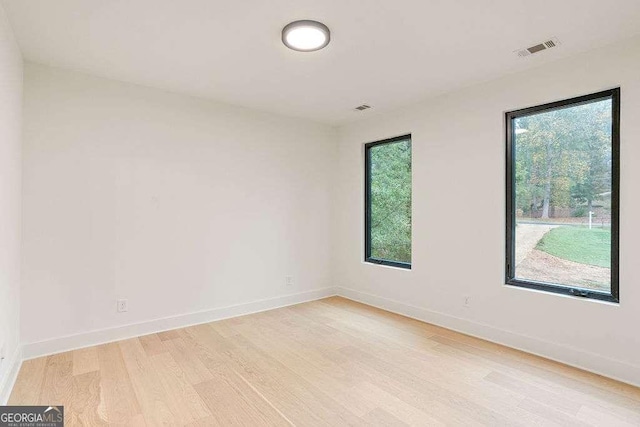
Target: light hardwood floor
column 328, row 362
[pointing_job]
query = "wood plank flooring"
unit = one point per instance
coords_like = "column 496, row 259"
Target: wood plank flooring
column 327, row 362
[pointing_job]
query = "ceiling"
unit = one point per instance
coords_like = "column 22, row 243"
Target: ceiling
column 385, row 53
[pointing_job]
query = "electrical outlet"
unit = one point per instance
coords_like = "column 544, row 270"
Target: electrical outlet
column 467, row 301
column 123, row 305
column 288, row 280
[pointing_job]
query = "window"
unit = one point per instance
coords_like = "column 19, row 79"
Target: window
column 388, row 202
column 563, row 196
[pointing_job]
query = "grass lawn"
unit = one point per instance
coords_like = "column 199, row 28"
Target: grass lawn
column 578, row 244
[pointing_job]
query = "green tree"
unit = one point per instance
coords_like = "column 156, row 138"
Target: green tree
column 563, row 156
column 391, row 201
column 596, row 155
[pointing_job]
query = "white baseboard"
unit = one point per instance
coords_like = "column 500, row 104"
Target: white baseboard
column 11, row 370
column 568, row 355
column 87, row 339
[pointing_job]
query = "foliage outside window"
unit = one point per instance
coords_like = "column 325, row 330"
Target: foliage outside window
column 562, row 196
column 388, row 202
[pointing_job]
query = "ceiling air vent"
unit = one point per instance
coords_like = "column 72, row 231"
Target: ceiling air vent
column 538, row 48
column 363, row 107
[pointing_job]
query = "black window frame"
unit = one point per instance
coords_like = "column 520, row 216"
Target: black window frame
column 510, row 280
column 367, row 203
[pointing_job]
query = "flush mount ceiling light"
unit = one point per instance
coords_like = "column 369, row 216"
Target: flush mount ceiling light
column 306, row 36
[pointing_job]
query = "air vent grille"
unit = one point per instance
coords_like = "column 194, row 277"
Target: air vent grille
column 538, row 47
column 363, row 107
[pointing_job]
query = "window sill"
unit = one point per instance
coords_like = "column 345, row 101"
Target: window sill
column 562, row 291
column 389, row 264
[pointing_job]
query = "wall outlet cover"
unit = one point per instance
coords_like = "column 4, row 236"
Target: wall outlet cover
column 123, row 305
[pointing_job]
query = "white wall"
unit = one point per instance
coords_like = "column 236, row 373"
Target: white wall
column 175, row 203
column 10, row 203
column 459, row 219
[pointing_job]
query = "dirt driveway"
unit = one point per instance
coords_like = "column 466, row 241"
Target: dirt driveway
column 527, row 237
column 540, row 266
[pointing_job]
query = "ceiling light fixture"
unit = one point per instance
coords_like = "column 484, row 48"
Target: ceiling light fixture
column 306, row 35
